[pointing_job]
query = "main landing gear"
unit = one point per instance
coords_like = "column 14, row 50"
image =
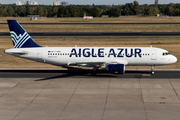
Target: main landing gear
column 94, row 72
column 152, row 70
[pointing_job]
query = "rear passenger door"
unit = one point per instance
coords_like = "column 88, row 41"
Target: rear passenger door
column 39, row 54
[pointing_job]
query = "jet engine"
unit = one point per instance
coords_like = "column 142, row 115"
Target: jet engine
column 116, row 68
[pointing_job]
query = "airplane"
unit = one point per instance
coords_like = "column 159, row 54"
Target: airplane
column 112, row 59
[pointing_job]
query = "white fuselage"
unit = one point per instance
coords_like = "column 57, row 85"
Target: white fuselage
column 91, row 56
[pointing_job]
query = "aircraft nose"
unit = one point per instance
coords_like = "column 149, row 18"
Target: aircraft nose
column 173, row 59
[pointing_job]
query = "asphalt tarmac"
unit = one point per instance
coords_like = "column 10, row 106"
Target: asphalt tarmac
column 99, row 34
column 40, row 94
column 86, row 73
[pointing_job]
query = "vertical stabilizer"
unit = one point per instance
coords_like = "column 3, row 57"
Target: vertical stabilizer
column 20, row 37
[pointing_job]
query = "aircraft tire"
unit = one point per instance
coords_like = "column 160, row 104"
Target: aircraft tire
column 93, row 73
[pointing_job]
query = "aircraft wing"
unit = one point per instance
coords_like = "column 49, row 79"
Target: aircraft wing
column 90, row 62
column 101, row 62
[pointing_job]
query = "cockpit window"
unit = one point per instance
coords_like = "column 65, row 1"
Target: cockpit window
column 166, row 53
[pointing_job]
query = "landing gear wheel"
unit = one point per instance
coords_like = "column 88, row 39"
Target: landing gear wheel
column 152, row 70
column 94, row 73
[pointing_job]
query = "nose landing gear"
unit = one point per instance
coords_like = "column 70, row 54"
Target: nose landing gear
column 152, row 70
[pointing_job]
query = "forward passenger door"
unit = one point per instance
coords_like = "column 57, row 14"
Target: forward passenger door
column 153, row 55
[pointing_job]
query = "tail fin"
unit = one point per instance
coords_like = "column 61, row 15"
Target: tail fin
column 20, row 37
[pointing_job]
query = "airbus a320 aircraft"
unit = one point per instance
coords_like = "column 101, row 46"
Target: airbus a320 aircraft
column 113, row 59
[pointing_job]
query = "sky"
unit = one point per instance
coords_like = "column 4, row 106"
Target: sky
column 96, row 2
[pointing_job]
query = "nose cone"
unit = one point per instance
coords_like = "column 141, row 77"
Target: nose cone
column 173, row 59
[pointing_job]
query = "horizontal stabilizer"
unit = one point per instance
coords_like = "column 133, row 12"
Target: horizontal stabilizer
column 15, row 52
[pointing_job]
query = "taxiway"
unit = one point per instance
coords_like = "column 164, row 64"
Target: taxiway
column 76, row 95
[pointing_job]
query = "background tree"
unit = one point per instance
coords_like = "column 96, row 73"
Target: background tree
column 21, row 11
column 177, row 12
column 1, row 11
column 72, row 11
column 61, row 11
column 141, row 10
column 49, row 11
column 114, row 12
column 153, row 10
column 79, row 12
column 30, row 11
column 40, row 11
column 136, row 8
column 45, row 13
column 162, row 9
column 146, row 9
column 128, row 9
column 170, row 9
column 10, row 11
column 55, row 11
column 96, row 12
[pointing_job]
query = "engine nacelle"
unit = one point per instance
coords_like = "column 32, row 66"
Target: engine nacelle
column 116, row 68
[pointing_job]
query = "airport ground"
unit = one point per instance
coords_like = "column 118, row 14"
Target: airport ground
column 103, row 19
column 97, row 28
column 33, row 96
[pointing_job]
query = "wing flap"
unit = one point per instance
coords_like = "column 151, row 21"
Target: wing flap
column 103, row 62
